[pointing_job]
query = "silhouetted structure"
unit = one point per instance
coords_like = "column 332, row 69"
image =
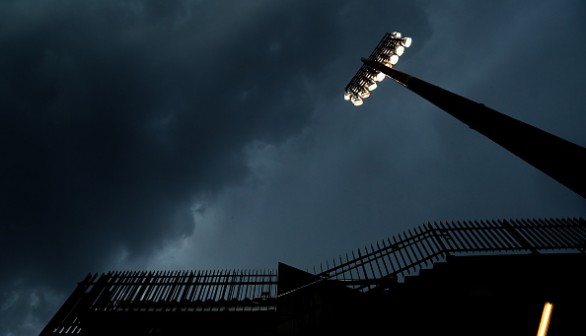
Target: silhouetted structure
column 460, row 278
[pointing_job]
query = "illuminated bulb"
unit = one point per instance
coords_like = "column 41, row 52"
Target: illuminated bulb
column 387, row 53
column 394, row 59
column 399, row 50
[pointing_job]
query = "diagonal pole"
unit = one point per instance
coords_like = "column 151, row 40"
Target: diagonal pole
column 562, row 160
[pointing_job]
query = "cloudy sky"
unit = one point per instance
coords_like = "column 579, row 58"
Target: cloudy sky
column 199, row 134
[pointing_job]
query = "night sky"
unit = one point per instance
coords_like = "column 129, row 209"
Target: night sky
column 198, row 134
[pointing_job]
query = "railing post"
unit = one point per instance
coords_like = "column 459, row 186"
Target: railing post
column 582, row 248
column 438, row 239
column 518, row 237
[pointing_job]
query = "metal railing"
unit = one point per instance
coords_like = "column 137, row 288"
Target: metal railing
column 407, row 253
column 215, row 290
column 384, row 262
column 166, row 292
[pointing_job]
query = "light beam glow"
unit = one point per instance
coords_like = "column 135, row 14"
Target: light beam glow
column 545, row 319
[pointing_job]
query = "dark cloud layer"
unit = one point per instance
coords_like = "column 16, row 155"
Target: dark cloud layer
column 143, row 133
column 117, row 115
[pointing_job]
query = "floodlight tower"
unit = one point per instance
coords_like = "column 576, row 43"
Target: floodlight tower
column 562, row 160
column 387, row 53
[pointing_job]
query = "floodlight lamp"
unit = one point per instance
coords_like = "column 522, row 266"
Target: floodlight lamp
column 386, row 53
column 399, row 50
column 365, row 93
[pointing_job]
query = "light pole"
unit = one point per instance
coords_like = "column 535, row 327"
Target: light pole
column 562, row 160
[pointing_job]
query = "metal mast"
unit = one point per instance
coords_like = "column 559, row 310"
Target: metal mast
column 562, row 160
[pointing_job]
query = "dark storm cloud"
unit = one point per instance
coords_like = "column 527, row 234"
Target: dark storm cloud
column 355, row 176
column 110, row 125
column 166, row 134
column 118, row 115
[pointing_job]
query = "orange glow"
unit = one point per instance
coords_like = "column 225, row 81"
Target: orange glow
column 545, row 318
